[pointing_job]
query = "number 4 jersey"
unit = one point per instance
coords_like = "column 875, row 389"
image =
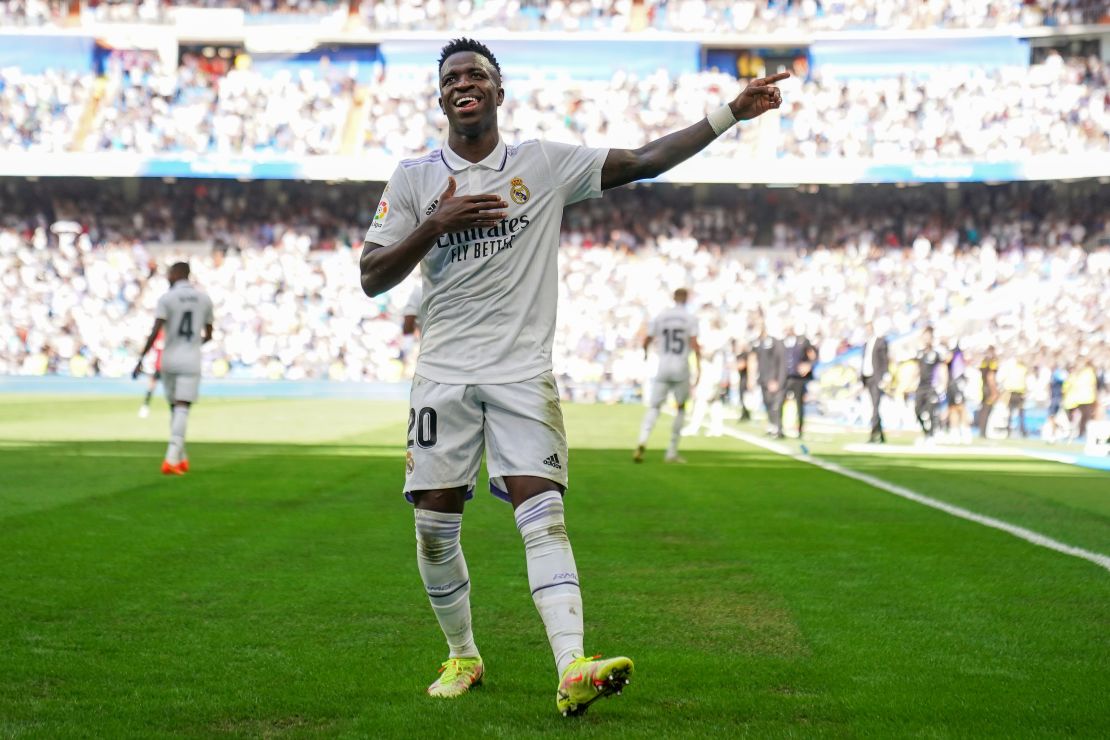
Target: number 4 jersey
column 186, row 312
column 671, row 331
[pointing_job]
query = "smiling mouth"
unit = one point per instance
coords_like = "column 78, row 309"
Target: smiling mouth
column 466, row 103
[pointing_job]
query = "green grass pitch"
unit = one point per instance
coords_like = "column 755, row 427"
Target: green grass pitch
column 273, row 591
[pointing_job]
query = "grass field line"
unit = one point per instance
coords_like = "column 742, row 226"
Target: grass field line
column 1028, row 535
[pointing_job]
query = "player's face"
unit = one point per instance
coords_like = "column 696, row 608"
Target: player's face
column 469, row 92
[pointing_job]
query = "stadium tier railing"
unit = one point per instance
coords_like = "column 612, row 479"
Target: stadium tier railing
column 706, row 169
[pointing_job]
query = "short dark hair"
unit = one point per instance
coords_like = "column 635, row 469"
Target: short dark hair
column 180, row 268
column 454, row 46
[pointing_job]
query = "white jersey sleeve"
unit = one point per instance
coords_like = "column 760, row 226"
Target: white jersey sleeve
column 576, row 170
column 396, row 216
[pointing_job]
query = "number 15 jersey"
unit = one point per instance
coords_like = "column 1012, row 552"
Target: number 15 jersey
column 186, row 312
column 671, row 331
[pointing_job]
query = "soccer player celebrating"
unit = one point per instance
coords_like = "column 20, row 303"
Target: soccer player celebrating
column 482, row 220
column 182, row 311
column 676, row 332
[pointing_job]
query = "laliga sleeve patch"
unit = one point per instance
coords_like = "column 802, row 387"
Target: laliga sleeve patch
column 381, row 214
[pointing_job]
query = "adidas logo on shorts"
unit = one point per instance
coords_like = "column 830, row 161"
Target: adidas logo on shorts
column 553, row 462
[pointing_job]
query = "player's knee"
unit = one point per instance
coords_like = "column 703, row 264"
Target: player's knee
column 437, row 542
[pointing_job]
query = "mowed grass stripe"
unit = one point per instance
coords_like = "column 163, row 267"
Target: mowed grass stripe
column 1022, row 533
column 274, row 592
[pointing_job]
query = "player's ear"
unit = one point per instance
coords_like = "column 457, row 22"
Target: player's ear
column 500, row 95
column 441, row 108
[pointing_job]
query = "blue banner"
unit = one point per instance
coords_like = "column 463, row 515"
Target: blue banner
column 889, row 57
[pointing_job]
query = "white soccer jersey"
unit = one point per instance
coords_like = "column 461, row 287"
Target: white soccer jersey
column 186, row 312
column 490, row 294
column 671, row 331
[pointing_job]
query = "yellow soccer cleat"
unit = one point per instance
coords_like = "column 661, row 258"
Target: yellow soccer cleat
column 588, row 679
column 638, row 455
column 456, row 677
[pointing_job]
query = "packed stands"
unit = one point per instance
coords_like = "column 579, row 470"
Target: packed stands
column 80, row 274
column 705, row 16
column 1058, row 106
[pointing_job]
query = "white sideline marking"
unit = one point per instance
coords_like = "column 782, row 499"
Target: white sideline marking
column 987, row 521
column 937, row 451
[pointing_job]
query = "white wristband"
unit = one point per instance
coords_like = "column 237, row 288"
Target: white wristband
column 721, row 120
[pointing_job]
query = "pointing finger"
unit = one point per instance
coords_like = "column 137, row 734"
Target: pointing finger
column 763, row 81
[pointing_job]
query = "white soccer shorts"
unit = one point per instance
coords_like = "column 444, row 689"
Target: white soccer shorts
column 180, row 387
column 518, row 425
column 660, row 388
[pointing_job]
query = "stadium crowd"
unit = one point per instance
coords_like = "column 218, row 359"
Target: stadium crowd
column 1016, row 268
column 1059, row 105
column 608, row 15
column 195, row 108
column 39, row 112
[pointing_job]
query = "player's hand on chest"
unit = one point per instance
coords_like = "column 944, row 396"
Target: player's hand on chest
column 456, row 209
column 478, row 215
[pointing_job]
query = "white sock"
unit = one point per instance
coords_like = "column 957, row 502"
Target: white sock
column 676, row 431
column 178, row 421
column 649, row 424
column 698, row 417
column 552, row 575
column 439, row 557
column 716, row 419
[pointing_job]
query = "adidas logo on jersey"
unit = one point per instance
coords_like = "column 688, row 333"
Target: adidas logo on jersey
column 553, row 462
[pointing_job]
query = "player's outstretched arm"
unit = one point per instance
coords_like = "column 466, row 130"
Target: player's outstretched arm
column 384, row 267
column 158, row 324
column 623, row 166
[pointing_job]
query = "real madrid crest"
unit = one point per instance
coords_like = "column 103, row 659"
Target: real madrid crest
column 518, row 191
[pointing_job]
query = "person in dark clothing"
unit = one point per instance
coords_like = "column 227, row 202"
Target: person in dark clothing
column 988, row 369
column 929, row 365
column 876, row 362
column 799, row 357
column 743, row 358
column 770, row 373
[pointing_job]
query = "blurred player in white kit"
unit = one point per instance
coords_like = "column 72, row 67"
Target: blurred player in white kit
column 675, row 333
column 186, row 315
column 710, row 393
